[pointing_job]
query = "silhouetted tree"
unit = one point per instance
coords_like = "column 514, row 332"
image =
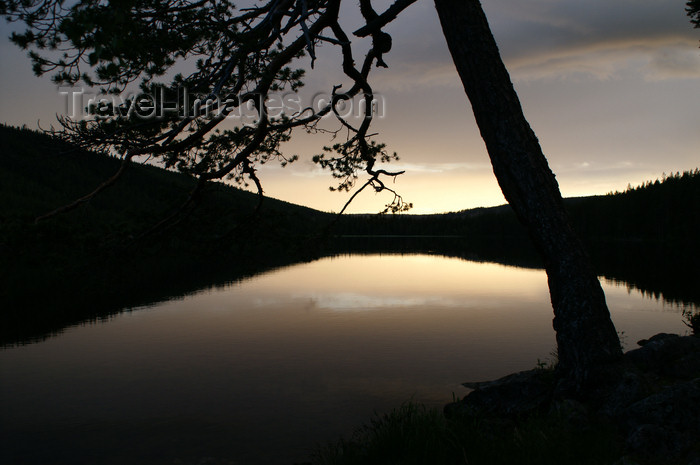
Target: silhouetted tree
column 693, row 11
column 585, row 334
column 243, row 56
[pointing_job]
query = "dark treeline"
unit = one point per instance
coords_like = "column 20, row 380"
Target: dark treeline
column 39, row 173
column 666, row 211
column 95, row 261
column 645, row 236
column 663, row 211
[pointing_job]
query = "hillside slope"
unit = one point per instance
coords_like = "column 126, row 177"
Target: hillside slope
column 86, row 264
column 662, row 212
column 39, row 174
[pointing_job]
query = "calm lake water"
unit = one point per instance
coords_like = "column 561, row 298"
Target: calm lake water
column 259, row 371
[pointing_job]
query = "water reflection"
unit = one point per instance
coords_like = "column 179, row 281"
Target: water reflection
column 259, row 371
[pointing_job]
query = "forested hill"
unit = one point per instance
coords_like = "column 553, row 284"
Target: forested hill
column 666, row 210
column 663, row 211
column 95, row 260
column 645, row 236
column 38, row 174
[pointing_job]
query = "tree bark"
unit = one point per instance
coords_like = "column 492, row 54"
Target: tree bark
column 586, row 336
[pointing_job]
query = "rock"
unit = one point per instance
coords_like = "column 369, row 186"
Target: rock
column 626, row 460
column 687, row 367
column 576, row 413
column 676, row 406
column 652, row 396
column 664, row 424
column 668, row 355
column 511, row 396
column 657, row 337
column 653, row 442
column 631, row 388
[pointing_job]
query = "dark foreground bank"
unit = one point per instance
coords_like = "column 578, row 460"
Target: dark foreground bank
column 643, row 411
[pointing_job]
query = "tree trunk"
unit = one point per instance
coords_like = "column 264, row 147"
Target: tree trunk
column 585, row 334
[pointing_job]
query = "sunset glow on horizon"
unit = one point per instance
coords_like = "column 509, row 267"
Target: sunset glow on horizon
column 612, row 90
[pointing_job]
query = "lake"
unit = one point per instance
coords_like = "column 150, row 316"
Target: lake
column 261, row 370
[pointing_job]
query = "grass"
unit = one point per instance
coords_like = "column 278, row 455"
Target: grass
column 692, row 320
column 413, row 434
column 410, row 434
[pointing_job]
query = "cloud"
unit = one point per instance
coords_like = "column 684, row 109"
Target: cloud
column 544, row 23
column 440, row 167
column 597, row 38
column 563, row 39
column 305, row 169
column 653, row 58
column 674, row 63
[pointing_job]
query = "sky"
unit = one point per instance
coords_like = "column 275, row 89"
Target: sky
column 611, row 88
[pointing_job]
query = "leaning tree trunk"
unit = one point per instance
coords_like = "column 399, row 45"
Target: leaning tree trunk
column 586, row 336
